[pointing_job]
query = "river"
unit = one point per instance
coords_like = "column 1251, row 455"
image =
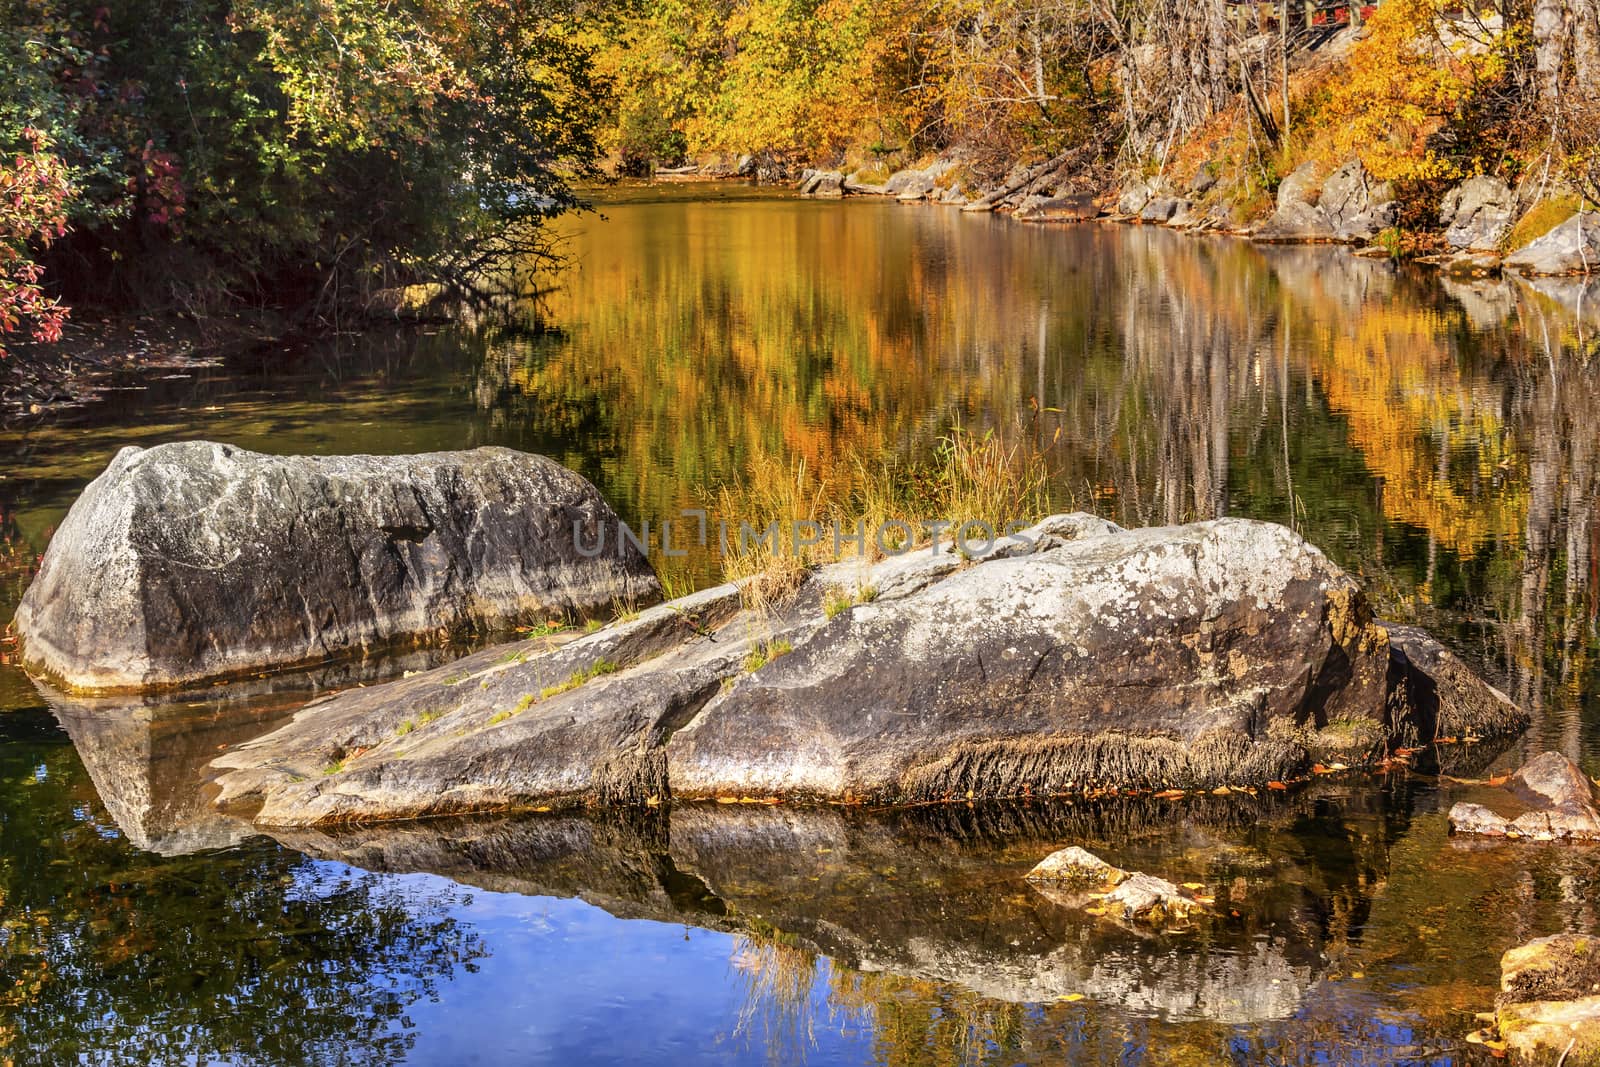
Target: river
column 1440, row 439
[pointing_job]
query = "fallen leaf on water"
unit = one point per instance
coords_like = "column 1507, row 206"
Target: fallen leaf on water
column 1276, row 785
column 1168, row 794
column 1499, row 779
column 1072, row 997
column 727, row 800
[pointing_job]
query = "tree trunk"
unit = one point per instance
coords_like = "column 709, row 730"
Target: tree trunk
column 1586, row 46
column 1549, row 48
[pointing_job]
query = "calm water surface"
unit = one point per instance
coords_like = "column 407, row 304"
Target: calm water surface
column 1440, row 440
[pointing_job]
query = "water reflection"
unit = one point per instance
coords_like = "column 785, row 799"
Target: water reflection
column 1438, row 438
column 262, row 956
column 1349, row 928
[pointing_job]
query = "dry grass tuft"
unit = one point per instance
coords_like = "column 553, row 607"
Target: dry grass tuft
column 782, row 519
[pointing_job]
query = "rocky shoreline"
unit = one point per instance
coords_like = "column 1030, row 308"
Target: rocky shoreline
column 1313, row 205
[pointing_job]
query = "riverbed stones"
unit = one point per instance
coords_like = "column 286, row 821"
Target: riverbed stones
column 1478, row 213
column 196, row 561
column 1571, row 248
column 1074, row 658
column 1549, row 798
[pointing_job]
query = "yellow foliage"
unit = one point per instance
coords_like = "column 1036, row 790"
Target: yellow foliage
column 1405, row 81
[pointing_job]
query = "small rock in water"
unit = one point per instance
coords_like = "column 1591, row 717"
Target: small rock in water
column 1548, row 799
column 1112, row 891
column 1074, row 865
column 1150, row 899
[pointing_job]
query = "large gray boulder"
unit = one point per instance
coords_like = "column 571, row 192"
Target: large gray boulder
column 1478, row 213
column 1571, row 248
column 1163, row 209
column 827, row 184
column 1358, row 207
column 1297, row 217
column 916, row 183
column 1181, row 656
column 1346, row 206
column 1072, row 208
column 196, row 561
column 1073, row 659
column 1134, row 196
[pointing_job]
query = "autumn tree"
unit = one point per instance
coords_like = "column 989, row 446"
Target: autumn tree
column 33, row 198
column 301, row 154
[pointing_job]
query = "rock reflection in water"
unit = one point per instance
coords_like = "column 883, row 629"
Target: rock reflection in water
column 938, row 894
column 148, row 756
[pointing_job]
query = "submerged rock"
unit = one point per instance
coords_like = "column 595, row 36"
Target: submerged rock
column 1549, row 798
column 1146, row 898
column 1074, row 658
column 190, row 562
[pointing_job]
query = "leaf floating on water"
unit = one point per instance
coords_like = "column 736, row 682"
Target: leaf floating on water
column 1168, row 794
column 1071, row 998
column 1194, row 885
column 727, row 800
column 1276, row 785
